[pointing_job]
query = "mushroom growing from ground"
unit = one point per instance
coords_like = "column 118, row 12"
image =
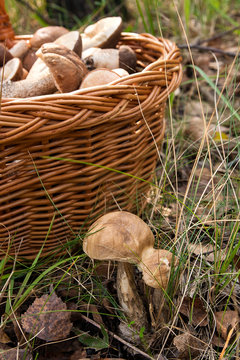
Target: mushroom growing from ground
column 126, row 238
column 124, row 58
column 105, row 33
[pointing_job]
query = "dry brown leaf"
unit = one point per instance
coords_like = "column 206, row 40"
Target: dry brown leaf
column 195, row 310
column 14, row 354
column 188, row 346
column 4, row 339
column 207, row 250
column 47, row 318
column 218, row 341
column 225, row 321
column 195, row 129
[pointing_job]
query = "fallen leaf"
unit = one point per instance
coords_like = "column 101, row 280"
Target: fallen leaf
column 4, row 339
column 218, row 341
column 195, row 310
column 47, row 318
column 188, row 346
column 225, row 321
column 196, row 129
column 207, row 250
column 14, row 354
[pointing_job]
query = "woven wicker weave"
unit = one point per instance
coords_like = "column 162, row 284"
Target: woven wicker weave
column 6, row 30
column 118, row 126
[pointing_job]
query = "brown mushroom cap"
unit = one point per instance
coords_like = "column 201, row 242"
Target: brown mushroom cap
column 99, row 77
column 64, row 64
column 105, row 33
column 127, row 58
column 119, row 236
column 46, row 34
column 156, row 267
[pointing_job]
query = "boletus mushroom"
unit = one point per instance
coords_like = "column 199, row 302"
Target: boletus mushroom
column 124, row 58
column 105, row 33
column 46, row 34
column 64, row 71
column 98, row 77
column 126, row 238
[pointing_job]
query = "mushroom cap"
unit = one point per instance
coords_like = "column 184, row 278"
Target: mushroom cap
column 99, row 77
column 46, row 34
column 65, row 66
column 121, row 72
column 105, row 33
column 72, row 40
column 156, row 267
column 118, row 235
column 127, row 58
column 12, row 70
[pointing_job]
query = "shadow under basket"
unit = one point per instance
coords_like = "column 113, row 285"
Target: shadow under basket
column 68, row 158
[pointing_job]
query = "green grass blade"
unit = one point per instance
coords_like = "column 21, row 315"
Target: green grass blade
column 214, row 87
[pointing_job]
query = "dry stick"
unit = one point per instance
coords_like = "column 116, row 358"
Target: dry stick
column 208, row 48
column 217, row 36
column 117, row 338
column 226, row 343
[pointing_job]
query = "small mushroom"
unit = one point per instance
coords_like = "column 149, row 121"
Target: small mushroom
column 126, row 238
column 45, row 35
column 105, row 33
column 12, row 70
column 124, row 58
column 98, row 77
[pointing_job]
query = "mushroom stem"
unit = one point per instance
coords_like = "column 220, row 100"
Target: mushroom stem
column 130, row 302
column 28, row 87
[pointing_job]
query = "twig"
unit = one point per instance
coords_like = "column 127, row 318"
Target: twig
column 226, row 343
column 208, row 48
column 217, row 36
column 118, row 338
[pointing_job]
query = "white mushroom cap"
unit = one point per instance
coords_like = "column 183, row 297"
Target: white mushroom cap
column 105, row 33
column 118, row 235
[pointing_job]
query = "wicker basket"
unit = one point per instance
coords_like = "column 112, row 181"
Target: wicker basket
column 56, row 151
column 6, row 30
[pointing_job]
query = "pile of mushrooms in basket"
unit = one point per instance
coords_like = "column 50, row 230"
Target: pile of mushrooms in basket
column 55, row 59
